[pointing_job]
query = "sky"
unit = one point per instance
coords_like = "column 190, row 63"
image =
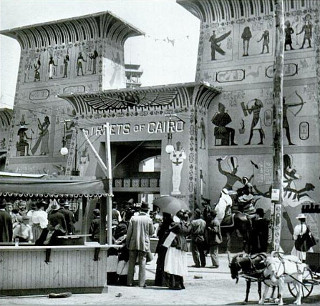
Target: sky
column 167, row 52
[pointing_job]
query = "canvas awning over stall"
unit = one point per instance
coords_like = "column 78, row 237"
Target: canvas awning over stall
column 34, row 185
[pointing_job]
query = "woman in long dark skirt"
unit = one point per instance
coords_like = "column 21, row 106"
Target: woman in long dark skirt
column 161, row 250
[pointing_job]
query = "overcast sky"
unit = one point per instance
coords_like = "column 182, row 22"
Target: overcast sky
column 167, row 53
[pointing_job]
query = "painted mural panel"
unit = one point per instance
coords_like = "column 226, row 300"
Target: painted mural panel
column 217, row 43
column 299, row 183
column 64, row 61
column 256, row 36
column 249, row 56
column 32, row 133
column 244, row 117
column 202, row 162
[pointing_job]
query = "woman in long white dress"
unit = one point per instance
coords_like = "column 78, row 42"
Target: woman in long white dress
column 300, row 229
column 175, row 263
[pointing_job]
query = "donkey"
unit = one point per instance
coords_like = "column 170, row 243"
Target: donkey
column 251, row 266
column 283, row 269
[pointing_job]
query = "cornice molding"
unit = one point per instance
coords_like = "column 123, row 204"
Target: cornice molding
column 84, row 28
column 226, row 10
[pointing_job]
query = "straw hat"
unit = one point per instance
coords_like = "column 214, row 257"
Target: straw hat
column 301, row 216
column 55, row 206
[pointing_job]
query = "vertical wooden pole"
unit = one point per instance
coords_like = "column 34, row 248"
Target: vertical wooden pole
column 109, row 180
column 278, row 124
column 103, row 213
column 106, row 203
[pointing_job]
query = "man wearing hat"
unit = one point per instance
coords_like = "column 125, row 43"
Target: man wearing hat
column 23, row 230
column 140, row 230
column 5, row 224
column 55, row 217
column 224, row 205
column 298, row 230
column 198, row 244
column 68, row 215
column 260, row 233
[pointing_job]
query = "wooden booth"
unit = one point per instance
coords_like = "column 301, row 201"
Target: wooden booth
column 29, row 269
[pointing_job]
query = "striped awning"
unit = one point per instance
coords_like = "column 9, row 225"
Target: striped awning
column 19, row 185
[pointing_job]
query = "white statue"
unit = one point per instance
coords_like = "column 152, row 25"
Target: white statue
column 177, row 157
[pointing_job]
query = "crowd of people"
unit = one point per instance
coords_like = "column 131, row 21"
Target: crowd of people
column 132, row 227
column 35, row 222
column 135, row 224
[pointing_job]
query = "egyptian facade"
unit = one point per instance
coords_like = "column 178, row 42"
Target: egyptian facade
column 236, row 51
column 83, row 54
column 219, row 128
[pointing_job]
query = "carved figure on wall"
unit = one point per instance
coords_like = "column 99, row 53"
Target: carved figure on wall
column 177, row 158
column 65, row 65
column 51, row 67
column 27, row 68
column 37, row 66
column 84, row 161
column 94, row 61
column 3, row 143
column 202, row 128
column 70, row 128
column 23, row 144
column 232, row 176
column 80, row 61
column 307, row 30
column 221, row 119
column 215, row 46
column 285, row 115
column 265, row 43
column 246, row 36
column 290, row 175
column 43, row 137
column 288, row 32
column 256, row 124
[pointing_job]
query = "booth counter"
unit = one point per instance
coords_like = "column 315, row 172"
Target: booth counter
column 26, row 270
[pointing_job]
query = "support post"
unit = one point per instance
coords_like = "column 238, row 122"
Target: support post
column 109, row 183
column 106, row 202
column 277, row 191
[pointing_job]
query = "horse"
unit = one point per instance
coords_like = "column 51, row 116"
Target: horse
column 239, row 221
column 251, row 266
column 283, row 269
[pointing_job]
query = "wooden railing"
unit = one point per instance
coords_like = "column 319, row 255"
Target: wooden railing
column 136, row 183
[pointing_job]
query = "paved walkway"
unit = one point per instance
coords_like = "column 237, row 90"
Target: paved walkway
column 204, row 286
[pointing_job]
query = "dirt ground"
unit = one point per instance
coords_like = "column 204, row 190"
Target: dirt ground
column 204, row 286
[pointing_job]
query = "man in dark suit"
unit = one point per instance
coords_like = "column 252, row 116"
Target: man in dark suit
column 260, row 233
column 55, row 217
column 68, row 216
column 5, row 224
column 49, row 235
column 138, row 242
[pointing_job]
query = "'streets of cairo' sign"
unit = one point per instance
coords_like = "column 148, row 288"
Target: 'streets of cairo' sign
column 153, row 127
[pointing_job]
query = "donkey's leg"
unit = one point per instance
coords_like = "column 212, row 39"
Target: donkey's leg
column 228, row 236
column 281, row 289
column 265, row 292
column 259, row 289
column 298, row 287
column 248, row 286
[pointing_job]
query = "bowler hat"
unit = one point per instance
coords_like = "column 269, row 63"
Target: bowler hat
column 144, row 206
column 62, row 202
column 96, row 212
column 260, row 212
